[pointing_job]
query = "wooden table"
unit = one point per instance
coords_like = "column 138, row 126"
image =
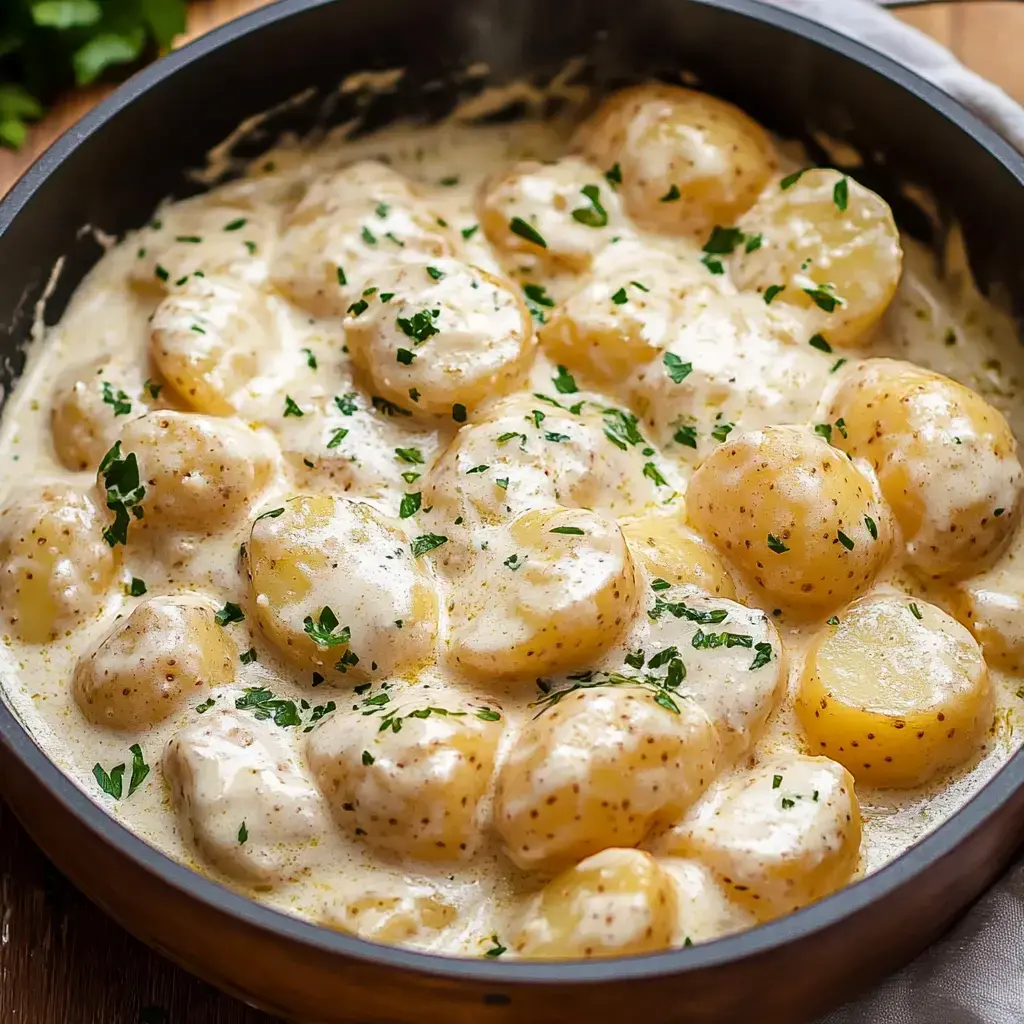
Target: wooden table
column 64, row 962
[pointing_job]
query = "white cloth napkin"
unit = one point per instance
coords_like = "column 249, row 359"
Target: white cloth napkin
column 975, row 973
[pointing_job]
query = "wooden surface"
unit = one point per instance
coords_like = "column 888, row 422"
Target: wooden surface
column 64, row 962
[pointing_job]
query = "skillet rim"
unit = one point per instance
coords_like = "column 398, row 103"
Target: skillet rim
column 218, row 898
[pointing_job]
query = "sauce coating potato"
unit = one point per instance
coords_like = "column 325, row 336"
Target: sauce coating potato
column 802, row 523
column 394, row 917
column 671, row 551
column 55, row 566
column 248, row 808
column 946, row 460
column 88, row 405
column 556, row 592
column 410, row 779
column 448, row 334
column 562, row 212
column 897, row 692
column 615, row 903
column 779, row 836
column 835, row 253
column 199, row 472
column 208, row 339
column 687, row 161
column 350, row 225
column 334, row 583
column 167, row 650
column 598, row 767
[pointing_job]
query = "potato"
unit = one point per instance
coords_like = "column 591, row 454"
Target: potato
column 449, row 334
column 335, row 583
column 733, row 364
column 705, row 911
column 55, row 567
column 556, row 591
column 199, row 472
column 779, row 836
column 625, row 314
column 898, row 692
column 350, row 225
column 563, row 213
column 412, row 916
column 670, row 551
column 601, row 764
column 835, row 255
column 732, row 657
column 687, row 161
column 152, row 662
column 207, row 339
column 195, row 237
column 529, row 454
column 409, row 776
column 800, row 521
column 615, row 903
column 946, row 461
column 90, row 403
column 241, row 799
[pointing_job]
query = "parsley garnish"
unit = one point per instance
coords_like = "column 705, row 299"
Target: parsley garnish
column 124, row 491
column 620, row 428
column 236, row 225
column 520, row 227
column 459, row 412
column 111, row 783
column 137, row 587
column 263, row 704
column 569, row 531
column 824, row 298
column 722, row 431
column 139, row 768
column 872, row 527
column 776, row 545
column 419, row 326
column 565, row 383
column 386, row 408
column 620, row 298
column 496, row 947
column 593, row 215
column 427, row 542
column 322, row 632
column 229, row 613
column 310, row 358
column 772, row 291
column 791, row 179
column 346, row 403
column 844, row 540
column 762, row 657
column 410, row 505
column 201, row 709
column 249, row 656
column 411, row 455
column 614, row 176
column 841, row 194
column 686, row 435
column 337, row 437
column 291, row 407
column 121, row 403
column 677, row 370
column 819, row 342
column 915, row 611
column 652, row 472
column 671, row 195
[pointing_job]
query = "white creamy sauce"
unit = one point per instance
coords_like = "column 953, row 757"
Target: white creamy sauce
column 300, row 383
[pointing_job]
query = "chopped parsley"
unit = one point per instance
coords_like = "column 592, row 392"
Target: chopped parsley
column 677, row 370
column 112, row 782
column 469, row 232
column 243, row 834
column 386, row 408
column 614, row 175
column 139, row 768
column 844, row 540
column 419, row 326
column 229, row 613
column 270, row 514
column 824, row 297
column 722, row 431
column 514, row 562
column 652, row 472
column 291, row 407
column 358, row 307
column 459, row 412
column 410, row 505
column 776, row 545
column 776, row 781
column 680, row 610
column 118, row 400
column 772, row 291
column 264, row 705
column 201, row 709
column 124, row 491
column 137, row 587
column 346, row 403
column 337, row 437
column 405, row 356
column 872, row 527
column 411, row 455
column 342, row 279
column 324, row 632
column 704, row 641
column 593, row 215
column 671, row 195
column 520, row 227
column 236, row 225
column 819, row 342
column 791, row 179
column 841, row 194
column 915, row 611
column 565, row 383
column 310, row 358
column 620, row 428
column 686, row 435
column 569, row 531
column 427, row 542
column 620, row 298
column 497, row 948
column 762, row 657
column 249, row 657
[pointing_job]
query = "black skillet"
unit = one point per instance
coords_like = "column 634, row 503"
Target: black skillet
column 111, row 170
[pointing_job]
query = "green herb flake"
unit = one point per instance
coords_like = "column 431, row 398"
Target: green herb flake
column 291, row 407
column 844, row 540
column 411, row 455
column 776, row 545
column 872, row 527
column 337, row 437
column 459, row 412
column 722, row 431
column 243, row 834
column 819, row 342
column 915, row 611
column 496, row 950
column 841, row 194
column 410, row 505
column 231, row 612
column 686, row 435
column 772, row 292
column 791, row 179
column 419, row 326
column 620, row 298
column 762, row 656
column 520, row 227
column 824, row 298
column 614, row 175
column 201, row 709
column 569, row 531
column 264, row 706
column 776, row 781
column 137, row 587
column 468, row 233
column 324, row 631
column 139, row 768
column 236, row 225
column 592, row 215
column 427, row 542
column 565, row 383
column 248, row 657
column 671, row 195
column 112, row 782
column 118, row 400
column 676, row 369
column 652, row 472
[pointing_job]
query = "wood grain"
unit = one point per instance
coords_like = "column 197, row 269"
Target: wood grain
column 61, row 960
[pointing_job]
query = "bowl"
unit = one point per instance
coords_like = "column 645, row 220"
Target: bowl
column 798, row 78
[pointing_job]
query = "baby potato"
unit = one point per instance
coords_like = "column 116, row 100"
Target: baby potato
column 194, row 238
column 530, row 454
column 350, row 225
column 335, row 583
column 561, row 212
column 448, row 333
column 409, row 917
column 687, row 161
column 898, row 692
column 670, row 551
column 946, row 461
column 199, row 472
column 411, row 780
column 831, row 245
column 615, row 903
column 89, row 402
column 601, row 766
column 558, row 590
column 732, row 659
column 167, row 650
column 732, row 364
column 626, row 313
column 799, row 520
column 250, row 811
column 206, row 339
column 55, row 566
column 778, row 836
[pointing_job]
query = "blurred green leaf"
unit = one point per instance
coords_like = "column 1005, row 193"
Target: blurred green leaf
column 166, row 19
column 66, row 13
column 105, row 51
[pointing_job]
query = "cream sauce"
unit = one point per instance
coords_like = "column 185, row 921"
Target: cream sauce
column 295, row 360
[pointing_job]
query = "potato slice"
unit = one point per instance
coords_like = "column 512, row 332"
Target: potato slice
column 616, row 903
column 600, row 766
column 167, row 650
column 779, row 836
column 898, row 692
column 831, row 245
column 557, row 592
column 803, row 524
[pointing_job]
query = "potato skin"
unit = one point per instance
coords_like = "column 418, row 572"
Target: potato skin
column 167, row 650
column 600, row 769
column 688, row 161
column 784, row 487
column 55, row 566
column 616, row 903
column 946, row 461
column 895, row 698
